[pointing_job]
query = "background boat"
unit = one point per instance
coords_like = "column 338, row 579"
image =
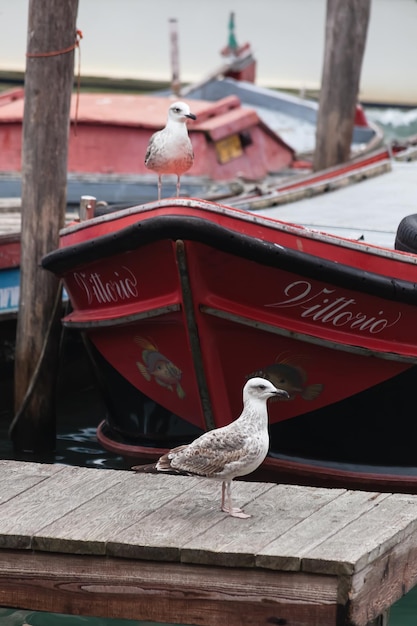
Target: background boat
column 112, row 133
column 243, row 133
column 293, row 118
column 237, row 147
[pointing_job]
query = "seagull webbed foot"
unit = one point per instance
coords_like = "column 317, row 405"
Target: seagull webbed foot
column 235, row 512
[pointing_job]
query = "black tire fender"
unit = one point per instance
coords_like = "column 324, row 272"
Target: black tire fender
column 406, row 236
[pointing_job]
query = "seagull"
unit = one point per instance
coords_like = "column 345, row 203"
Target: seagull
column 170, row 150
column 230, row 451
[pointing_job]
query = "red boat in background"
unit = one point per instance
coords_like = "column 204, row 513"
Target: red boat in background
column 243, row 134
column 182, row 300
column 112, row 131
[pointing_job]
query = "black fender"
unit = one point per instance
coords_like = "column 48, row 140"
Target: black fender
column 406, row 236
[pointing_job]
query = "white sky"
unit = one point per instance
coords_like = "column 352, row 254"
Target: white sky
column 130, row 38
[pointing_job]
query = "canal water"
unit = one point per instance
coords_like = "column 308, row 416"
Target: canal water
column 13, row 617
column 396, row 123
column 80, row 409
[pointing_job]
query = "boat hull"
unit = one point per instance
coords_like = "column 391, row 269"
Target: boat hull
column 182, row 301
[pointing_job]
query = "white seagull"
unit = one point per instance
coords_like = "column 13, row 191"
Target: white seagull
column 170, row 150
column 230, row 451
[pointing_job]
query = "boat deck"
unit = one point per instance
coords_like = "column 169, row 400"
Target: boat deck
column 157, row 547
column 371, row 209
column 10, row 215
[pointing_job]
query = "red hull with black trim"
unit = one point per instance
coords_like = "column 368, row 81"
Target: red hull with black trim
column 183, row 300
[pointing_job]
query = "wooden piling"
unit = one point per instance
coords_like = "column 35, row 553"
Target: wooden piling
column 346, row 30
column 48, row 85
column 175, row 62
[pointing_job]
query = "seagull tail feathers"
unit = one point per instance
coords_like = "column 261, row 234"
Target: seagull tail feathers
column 162, row 465
column 150, row 468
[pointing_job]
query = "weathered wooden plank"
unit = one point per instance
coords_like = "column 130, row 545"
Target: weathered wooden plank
column 193, row 511
column 360, row 542
column 316, row 526
column 173, row 593
column 10, row 223
column 10, row 204
column 276, row 513
column 124, row 506
column 384, row 581
column 16, row 477
column 27, row 513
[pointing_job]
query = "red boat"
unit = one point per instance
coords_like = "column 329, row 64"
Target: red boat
column 108, row 144
column 181, row 301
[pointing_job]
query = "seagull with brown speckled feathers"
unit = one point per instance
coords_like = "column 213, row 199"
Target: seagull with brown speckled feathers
column 230, row 451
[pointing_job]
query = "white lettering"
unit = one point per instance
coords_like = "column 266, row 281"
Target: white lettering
column 9, row 297
column 121, row 286
column 326, row 307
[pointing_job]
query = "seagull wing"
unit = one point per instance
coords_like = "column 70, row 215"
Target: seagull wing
column 150, row 147
column 208, row 455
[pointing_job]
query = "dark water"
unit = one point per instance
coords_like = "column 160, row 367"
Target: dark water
column 404, row 612
column 13, row 617
column 79, row 406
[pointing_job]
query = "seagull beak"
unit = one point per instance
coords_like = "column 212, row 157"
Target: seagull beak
column 191, row 116
column 281, row 393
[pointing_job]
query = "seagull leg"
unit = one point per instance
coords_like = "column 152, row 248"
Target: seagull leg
column 159, row 186
column 228, row 508
column 178, row 186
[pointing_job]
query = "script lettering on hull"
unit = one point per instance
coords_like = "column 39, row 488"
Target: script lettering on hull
column 326, row 307
column 121, row 286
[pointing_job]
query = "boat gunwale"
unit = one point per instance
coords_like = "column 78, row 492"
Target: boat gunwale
column 246, row 216
column 198, row 229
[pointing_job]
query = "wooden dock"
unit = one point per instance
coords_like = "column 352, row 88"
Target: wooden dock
column 11, row 216
column 156, row 547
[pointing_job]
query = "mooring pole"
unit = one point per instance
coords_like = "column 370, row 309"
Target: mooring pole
column 346, row 30
column 49, row 76
column 175, row 58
